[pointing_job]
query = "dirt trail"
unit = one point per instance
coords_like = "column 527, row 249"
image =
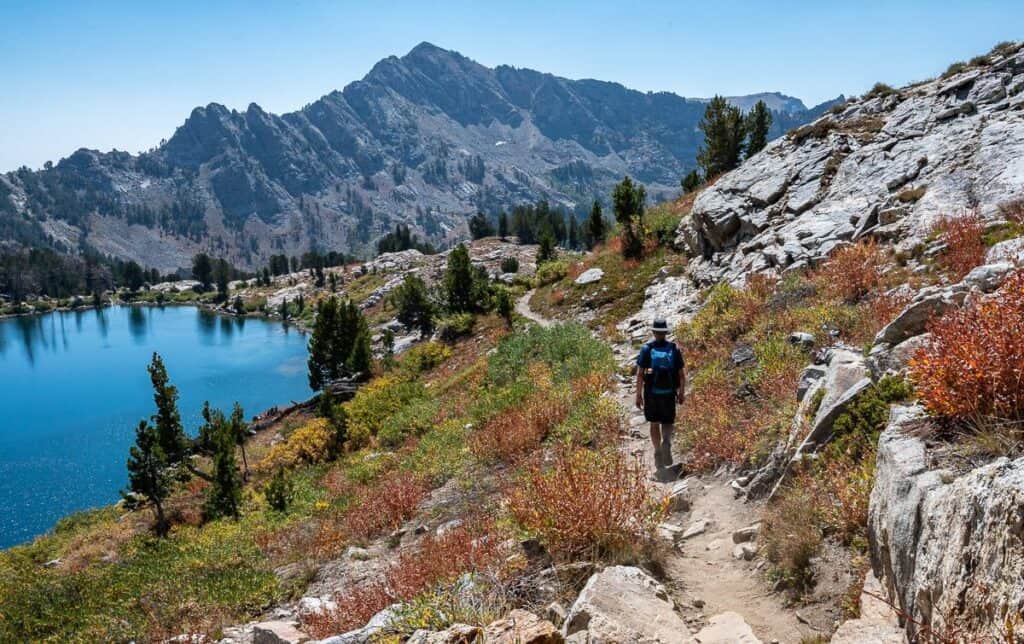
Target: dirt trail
column 702, row 570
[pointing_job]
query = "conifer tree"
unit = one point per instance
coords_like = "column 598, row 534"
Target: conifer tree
column 628, row 203
column 170, row 434
column 240, row 432
column 149, row 473
column 723, row 129
column 503, row 225
column 222, row 274
column 321, row 344
column 757, row 123
column 691, row 182
column 361, row 358
column 546, row 251
column 574, row 234
column 202, row 270
column 596, row 224
column 458, row 281
column 415, row 310
column 224, row 497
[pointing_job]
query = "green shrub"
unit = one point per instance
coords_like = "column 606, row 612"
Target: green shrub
column 551, row 272
column 509, row 265
column 880, row 90
column 954, row 69
column 374, row 405
column 423, row 357
column 568, row 349
column 278, row 491
column 455, row 326
column 414, row 419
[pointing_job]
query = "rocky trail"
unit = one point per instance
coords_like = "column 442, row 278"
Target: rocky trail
column 712, row 570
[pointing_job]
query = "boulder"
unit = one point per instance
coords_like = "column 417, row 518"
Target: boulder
column 727, row 628
column 744, row 535
column 937, row 538
column 277, row 632
column 846, row 376
column 590, row 276
column 743, row 354
column 801, row 339
column 1011, row 250
column 878, row 622
column 522, row 627
column 455, row 634
column 744, row 551
column 625, row 605
column 808, row 377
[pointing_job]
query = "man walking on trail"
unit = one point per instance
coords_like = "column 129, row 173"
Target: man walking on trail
column 660, row 384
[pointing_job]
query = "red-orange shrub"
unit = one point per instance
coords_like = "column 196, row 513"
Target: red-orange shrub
column 445, row 558
column 974, row 364
column 585, row 503
column 853, row 272
column 725, row 428
column 436, row 560
column 385, row 505
column 964, row 240
column 355, row 607
column 519, row 430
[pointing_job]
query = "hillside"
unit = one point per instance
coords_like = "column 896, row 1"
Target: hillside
column 425, row 139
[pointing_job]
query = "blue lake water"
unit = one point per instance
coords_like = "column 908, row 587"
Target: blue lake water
column 73, row 387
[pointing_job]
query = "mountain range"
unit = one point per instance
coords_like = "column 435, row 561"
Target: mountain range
column 425, row 139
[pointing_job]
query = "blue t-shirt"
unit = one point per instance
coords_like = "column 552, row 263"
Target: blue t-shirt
column 643, row 361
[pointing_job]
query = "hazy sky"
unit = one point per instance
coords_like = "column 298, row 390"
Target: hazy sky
column 123, row 75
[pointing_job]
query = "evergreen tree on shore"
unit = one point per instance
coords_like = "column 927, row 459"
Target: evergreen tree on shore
column 170, row 434
column 149, row 473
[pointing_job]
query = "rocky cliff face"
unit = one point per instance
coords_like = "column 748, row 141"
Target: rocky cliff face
column 886, row 165
column 424, row 139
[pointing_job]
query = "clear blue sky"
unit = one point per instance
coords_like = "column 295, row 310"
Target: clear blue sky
column 123, row 75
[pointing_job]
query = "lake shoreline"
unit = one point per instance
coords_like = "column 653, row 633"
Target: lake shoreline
column 217, row 361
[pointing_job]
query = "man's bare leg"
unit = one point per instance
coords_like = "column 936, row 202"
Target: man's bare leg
column 667, row 429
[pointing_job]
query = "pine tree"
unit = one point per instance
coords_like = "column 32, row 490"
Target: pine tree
column 278, row 491
column 170, row 434
column 628, row 203
column 574, row 234
column 596, row 224
column 202, row 270
column 503, row 304
column 224, row 497
column 546, row 251
column 757, row 123
column 691, row 182
column 321, row 342
column 222, row 274
column 503, row 225
column 723, row 129
column 415, row 310
column 361, row 358
column 149, row 473
column 458, row 281
column 240, row 432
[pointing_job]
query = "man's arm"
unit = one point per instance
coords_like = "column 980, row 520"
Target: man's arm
column 681, row 393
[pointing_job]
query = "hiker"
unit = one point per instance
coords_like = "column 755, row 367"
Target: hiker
column 660, row 384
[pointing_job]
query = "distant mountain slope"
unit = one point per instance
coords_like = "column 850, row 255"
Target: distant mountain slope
column 424, row 139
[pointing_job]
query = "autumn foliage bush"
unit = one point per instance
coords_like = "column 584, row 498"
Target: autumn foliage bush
column 963, row 237
column 381, row 506
column 522, row 428
column 585, row 503
column 973, row 365
column 853, row 272
column 436, row 560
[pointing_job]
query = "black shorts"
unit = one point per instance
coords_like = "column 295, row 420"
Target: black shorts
column 660, row 408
